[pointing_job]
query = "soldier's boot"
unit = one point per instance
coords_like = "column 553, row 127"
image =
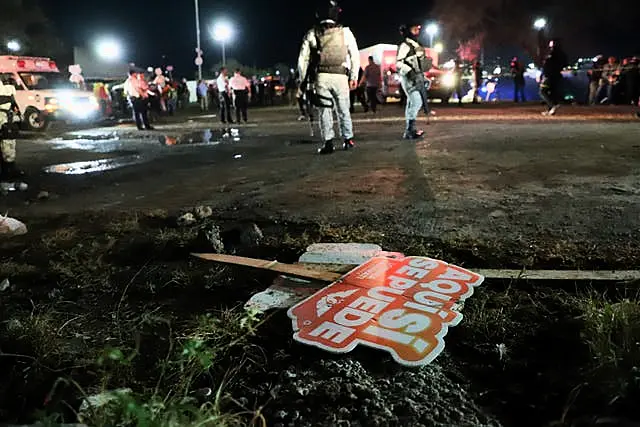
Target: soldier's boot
column 411, row 132
column 327, row 148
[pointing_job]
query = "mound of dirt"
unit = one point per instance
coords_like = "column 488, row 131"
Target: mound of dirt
column 343, row 392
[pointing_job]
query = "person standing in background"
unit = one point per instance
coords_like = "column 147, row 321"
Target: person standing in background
column 412, row 63
column 224, row 96
column 203, row 98
column 595, row 75
column 242, row 91
column 329, row 61
column 358, row 93
column 372, row 79
column 551, row 84
column 517, row 73
column 137, row 90
column 457, row 76
column 477, row 81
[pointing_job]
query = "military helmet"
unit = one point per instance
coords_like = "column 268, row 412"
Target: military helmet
column 330, row 12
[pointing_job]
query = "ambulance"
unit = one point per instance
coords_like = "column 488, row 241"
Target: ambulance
column 44, row 94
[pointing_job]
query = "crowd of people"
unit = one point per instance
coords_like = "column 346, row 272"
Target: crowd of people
column 614, row 82
column 261, row 92
column 331, row 87
column 157, row 97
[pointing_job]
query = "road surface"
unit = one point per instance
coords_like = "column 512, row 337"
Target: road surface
column 489, row 173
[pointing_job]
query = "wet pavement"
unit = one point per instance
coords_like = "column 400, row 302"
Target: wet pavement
column 271, row 164
column 102, row 165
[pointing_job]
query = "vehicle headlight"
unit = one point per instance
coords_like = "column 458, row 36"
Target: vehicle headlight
column 94, row 102
column 51, row 104
column 448, row 80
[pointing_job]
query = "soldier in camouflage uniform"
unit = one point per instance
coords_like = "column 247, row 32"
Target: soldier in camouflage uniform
column 9, row 124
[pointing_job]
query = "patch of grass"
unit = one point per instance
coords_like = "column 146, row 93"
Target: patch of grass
column 612, row 331
column 83, row 264
column 197, row 356
column 353, row 234
column 124, row 225
column 11, row 269
column 177, row 236
column 58, row 237
column 34, row 333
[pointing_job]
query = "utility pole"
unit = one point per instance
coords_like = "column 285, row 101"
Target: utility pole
column 199, row 52
column 224, row 55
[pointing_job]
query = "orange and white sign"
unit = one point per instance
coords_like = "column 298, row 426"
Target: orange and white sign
column 402, row 305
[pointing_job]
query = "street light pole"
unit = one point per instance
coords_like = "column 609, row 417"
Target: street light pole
column 198, row 38
column 431, row 40
column 540, row 24
column 224, row 55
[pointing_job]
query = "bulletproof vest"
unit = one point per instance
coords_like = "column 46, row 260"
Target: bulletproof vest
column 6, row 97
column 332, row 50
column 424, row 64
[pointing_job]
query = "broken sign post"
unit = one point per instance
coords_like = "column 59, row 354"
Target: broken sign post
column 404, row 306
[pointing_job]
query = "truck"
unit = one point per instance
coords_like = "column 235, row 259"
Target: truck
column 43, row 94
column 440, row 82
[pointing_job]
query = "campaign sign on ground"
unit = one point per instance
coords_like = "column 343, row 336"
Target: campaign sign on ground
column 404, row 306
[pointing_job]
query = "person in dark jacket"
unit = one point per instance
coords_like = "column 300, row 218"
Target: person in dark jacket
column 517, row 72
column 595, row 75
column 358, row 93
column 551, row 78
column 477, row 81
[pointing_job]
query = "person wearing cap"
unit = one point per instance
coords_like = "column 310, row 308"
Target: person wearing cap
column 412, row 63
column 328, row 65
column 241, row 91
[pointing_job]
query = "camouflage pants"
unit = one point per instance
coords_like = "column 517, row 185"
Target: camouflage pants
column 7, row 146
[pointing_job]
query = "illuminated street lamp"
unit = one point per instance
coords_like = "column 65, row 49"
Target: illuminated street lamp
column 540, row 24
column 109, row 50
column 13, row 45
column 432, row 30
column 222, row 33
column 439, row 48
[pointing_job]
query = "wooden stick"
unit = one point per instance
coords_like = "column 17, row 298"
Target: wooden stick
column 330, row 276
column 576, row 275
column 292, row 270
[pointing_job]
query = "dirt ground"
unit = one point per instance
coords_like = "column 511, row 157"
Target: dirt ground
column 104, row 295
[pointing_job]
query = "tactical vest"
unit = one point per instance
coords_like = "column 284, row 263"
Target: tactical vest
column 424, row 64
column 7, row 100
column 332, row 50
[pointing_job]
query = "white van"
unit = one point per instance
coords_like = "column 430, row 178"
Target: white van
column 44, row 94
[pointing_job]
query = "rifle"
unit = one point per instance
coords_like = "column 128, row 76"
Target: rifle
column 423, row 87
column 419, row 67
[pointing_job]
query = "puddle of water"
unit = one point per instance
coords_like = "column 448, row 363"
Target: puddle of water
column 207, row 136
column 93, row 166
column 92, row 136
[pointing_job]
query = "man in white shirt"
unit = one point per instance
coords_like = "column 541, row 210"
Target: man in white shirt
column 137, row 90
column 241, row 91
column 224, row 96
column 329, row 61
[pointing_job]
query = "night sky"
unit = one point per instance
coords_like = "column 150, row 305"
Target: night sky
column 268, row 32
column 162, row 32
